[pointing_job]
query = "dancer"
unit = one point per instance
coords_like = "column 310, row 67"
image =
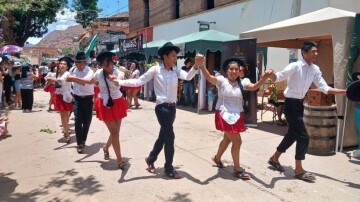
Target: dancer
column 110, row 105
column 63, row 97
column 83, row 100
column 300, row 75
column 229, row 116
column 165, row 82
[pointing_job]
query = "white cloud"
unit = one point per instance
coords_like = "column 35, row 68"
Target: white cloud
column 63, row 21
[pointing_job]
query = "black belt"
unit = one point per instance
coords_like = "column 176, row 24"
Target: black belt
column 83, row 96
column 169, row 104
column 294, row 99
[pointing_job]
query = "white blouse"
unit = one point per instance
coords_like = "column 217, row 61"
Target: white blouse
column 114, row 90
column 230, row 96
column 65, row 89
column 135, row 74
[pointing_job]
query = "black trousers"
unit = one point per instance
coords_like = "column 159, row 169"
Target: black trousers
column 294, row 112
column 83, row 107
column 166, row 117
column 27, row 98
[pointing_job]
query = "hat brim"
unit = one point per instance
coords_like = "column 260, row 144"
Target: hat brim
column 353, row 91
column 232, row 59
column 165, row 48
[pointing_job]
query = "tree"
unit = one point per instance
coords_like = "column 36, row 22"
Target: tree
column 87, row 11
column 30, row 18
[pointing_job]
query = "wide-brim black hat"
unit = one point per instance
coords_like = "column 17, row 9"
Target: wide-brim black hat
column 80, row 57
column 104, row 55
column 168, row 46
column 353, row 91
column 232, row 59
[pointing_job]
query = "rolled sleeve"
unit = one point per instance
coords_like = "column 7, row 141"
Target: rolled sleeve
column 321, row 83
column 140, row 81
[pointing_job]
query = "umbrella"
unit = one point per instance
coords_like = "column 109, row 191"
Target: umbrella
column 10, row 49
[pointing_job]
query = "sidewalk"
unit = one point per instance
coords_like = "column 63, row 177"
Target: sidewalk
column 37, row 166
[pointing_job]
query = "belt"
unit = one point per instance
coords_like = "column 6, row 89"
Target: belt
column 83, row 96
column 169, row 104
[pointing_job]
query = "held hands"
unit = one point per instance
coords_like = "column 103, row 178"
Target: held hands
column 199, row 60
column 268, row 73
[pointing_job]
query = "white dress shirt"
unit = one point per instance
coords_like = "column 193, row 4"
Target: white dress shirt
column 88, row 89
column 114, row 90
column 65, row 89
column 299, row 77
column 165, row 82
column 230, row 96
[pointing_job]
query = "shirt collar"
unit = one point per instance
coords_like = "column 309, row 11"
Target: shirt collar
column 304, row 63
column 163, row 66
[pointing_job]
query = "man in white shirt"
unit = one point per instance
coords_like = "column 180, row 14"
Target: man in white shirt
column 83, row 100
column 300, row 75
column 165, row 77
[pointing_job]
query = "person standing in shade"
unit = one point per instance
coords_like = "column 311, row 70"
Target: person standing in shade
column 188, row 85
column 83, row 100
column 110, row 105
column 165, row 83
column 300, row 75
column 27, row 87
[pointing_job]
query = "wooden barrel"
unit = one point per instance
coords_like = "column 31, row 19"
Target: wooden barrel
column 320, row 123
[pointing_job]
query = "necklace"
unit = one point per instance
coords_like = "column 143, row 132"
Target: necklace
column 233, row 83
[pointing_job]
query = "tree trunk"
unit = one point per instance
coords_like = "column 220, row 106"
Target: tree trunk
column 7, row 25
column 27, row 28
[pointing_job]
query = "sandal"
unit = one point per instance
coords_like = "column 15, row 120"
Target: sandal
column 106, row 154
column 173, row 174
column 150, row 166
column 122, row 165
column 137, row 106
column 242, row 174
column 276, row 165
column 306, row 176
column 67, row 138
column 218, row 163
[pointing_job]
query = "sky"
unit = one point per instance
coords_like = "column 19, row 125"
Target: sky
column 110, row 7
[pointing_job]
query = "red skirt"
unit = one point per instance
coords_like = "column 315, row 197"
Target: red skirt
column 131, row 88
column 116, row 112
column 96, row 91
column 225, row 127
column 50, row 88
column 60, row 104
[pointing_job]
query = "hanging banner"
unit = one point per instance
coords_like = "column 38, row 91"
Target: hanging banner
column 131, row 44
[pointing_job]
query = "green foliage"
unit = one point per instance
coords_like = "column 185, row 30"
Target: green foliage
column 47, row 130
column 87, row 11
column 33, row 17
column 67, row 50
column 274, row 93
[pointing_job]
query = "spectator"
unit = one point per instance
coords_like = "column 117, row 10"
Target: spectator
column 27, row 87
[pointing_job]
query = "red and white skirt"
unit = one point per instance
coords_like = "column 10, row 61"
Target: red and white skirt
column 60, row 104
column 116, row 112
column 223, row 126
column 131, row 88
column 50, row 88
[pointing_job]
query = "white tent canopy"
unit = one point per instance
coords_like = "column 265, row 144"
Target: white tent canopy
column 332, row 29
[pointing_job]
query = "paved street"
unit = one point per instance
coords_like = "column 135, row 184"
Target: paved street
column 37, row 166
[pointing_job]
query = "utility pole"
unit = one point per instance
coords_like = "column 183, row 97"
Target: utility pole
column 118, row 5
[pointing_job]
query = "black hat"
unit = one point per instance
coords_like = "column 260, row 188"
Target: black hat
column 104, row 55
column 355, row 76
column 70, row 57
column 66, row 59
column 168, row 46
column 80, row 56
column 353, row 91
column 232, row 59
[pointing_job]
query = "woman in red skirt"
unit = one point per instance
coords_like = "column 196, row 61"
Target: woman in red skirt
column 49, row 86
column 229, row 116
column 63, row 97
column 132, row 91
column 110, row 105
